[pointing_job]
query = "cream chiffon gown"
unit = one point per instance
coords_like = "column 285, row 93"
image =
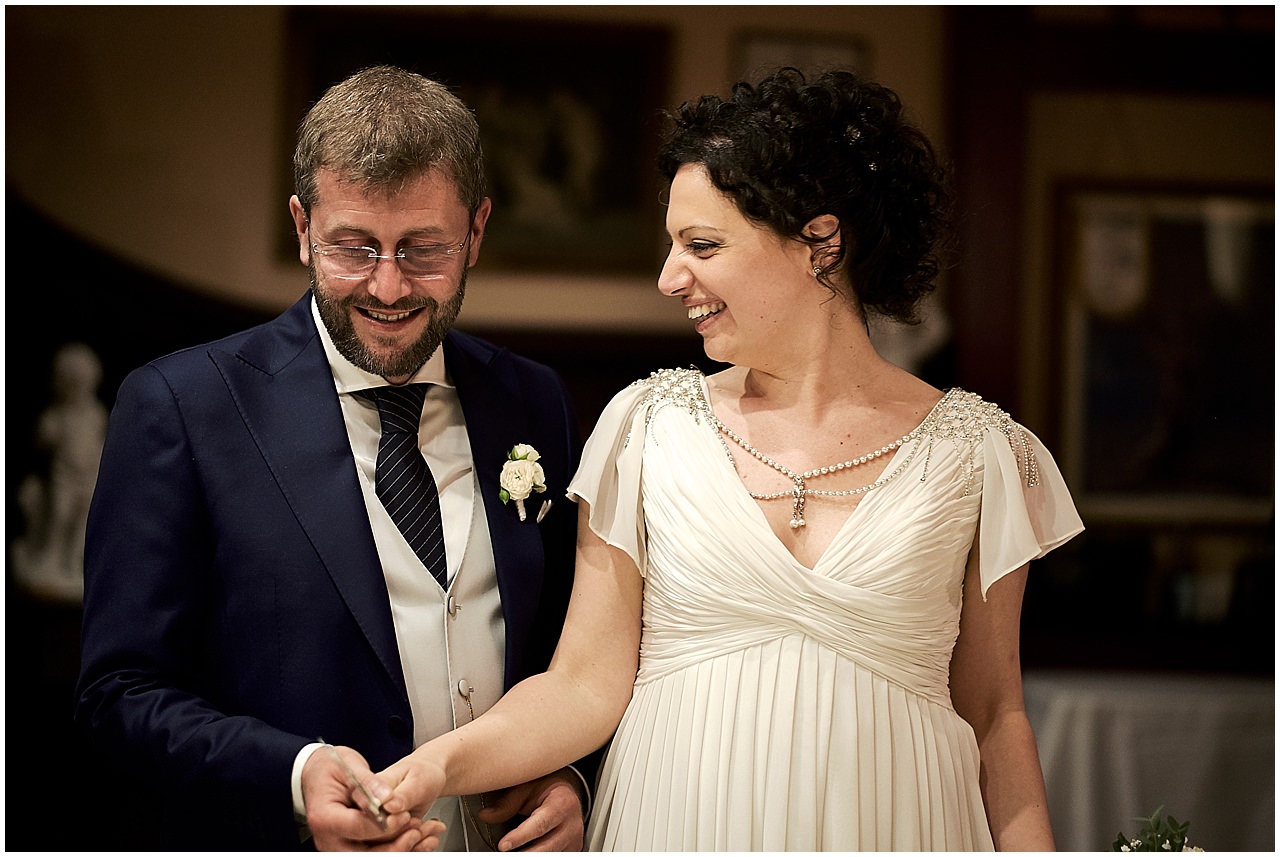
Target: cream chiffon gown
column 782, row 708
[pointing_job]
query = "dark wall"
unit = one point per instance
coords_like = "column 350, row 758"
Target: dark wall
column 1114, row 597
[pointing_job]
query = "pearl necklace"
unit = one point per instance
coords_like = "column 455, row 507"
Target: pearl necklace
column 800, row 490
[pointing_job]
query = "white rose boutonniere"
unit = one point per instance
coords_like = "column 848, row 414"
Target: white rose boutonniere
column 522, row 476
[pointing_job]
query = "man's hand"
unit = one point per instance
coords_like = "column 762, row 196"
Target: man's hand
column 338, row 808
column 554, row 806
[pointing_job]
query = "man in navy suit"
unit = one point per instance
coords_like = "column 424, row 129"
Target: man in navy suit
column 248, row 598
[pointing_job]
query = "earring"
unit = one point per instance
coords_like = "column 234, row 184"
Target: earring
column 817, row 270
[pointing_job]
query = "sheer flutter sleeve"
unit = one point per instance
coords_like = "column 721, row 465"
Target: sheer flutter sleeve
column 1027, row 510
column 608, row 478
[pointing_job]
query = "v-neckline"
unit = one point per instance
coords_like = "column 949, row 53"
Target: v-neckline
column 745, row 493
column 840, row 531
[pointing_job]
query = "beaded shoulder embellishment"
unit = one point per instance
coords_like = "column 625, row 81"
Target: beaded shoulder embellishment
column 964, row 418
column 679, row 387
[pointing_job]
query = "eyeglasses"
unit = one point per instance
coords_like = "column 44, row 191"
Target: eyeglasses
column 417, row 260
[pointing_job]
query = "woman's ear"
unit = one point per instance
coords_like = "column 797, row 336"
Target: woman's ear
column 825, row 228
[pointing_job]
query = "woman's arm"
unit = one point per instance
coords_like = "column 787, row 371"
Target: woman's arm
column 986, row 689
column 552, row 719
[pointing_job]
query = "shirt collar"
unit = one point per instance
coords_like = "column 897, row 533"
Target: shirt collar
column 348, row 377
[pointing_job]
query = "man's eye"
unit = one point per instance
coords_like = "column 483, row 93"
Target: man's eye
column 425, row 251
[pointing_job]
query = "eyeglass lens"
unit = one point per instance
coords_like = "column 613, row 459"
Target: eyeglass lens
column 359, row 262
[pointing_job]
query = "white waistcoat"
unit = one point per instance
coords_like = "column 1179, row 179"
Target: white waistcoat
column 464, row 635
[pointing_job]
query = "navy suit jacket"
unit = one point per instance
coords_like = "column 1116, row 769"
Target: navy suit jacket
column 235, row 607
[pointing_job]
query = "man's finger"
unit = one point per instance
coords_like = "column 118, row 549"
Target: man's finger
column 528, row 832
column 500, row 808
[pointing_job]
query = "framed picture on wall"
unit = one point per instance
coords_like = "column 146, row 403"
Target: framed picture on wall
column 755, row 52
column 569, row 120
column 1167, row 352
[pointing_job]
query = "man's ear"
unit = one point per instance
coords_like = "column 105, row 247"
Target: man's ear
column 477, row 229
column 300, row 226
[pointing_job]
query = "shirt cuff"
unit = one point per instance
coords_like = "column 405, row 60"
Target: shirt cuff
column 299, row 806
column 586, row 791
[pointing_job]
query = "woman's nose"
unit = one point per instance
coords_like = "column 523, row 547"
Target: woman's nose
column 674, row 276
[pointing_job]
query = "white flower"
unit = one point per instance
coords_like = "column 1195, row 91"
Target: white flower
column 1125, row 848
column 523, row 451
column 521, row 476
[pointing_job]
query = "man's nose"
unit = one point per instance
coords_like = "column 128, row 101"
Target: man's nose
column 386, row 282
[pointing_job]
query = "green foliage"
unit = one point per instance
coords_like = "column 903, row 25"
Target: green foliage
column 1158, row 833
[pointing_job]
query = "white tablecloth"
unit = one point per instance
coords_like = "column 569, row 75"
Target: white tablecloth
column 1116, row 746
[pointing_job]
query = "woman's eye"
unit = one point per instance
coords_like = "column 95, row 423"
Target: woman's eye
column 698, row 249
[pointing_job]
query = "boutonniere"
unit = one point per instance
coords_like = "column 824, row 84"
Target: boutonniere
column 522, row 476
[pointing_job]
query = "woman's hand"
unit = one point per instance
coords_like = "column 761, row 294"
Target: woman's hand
column 336, row 787
column 410, row 785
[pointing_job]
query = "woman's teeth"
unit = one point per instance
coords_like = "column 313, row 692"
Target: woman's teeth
column 704, row 310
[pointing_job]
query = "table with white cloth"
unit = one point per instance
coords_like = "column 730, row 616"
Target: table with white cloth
column 1116, row 746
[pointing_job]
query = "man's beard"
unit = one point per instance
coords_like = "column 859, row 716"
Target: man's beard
column 336, row 315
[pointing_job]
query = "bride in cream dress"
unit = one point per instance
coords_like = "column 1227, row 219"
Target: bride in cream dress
column 780, row 707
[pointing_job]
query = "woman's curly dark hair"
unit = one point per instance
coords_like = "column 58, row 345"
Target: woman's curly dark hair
column 791, row 149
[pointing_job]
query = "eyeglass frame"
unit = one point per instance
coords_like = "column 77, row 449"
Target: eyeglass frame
column 398, row 256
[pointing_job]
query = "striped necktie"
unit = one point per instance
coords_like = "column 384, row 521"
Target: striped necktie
column 403, row 481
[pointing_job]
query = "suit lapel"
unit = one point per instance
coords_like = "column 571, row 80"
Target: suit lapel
column 495, row 423
column 283, row 387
